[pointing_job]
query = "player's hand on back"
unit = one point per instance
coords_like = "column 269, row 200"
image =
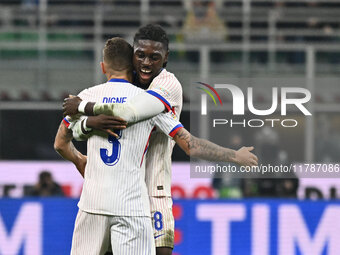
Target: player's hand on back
column 244, row 157
column 70, row 105
column 106, row 123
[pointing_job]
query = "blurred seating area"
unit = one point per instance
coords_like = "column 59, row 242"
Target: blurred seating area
column 290, row 21
column 56, row 44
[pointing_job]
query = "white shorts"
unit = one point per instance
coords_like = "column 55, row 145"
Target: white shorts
column 163, row 222
column 94, row 233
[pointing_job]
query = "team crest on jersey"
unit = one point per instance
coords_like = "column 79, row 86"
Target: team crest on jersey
column 165, row 92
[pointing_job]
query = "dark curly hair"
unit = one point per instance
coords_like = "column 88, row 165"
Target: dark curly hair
column 154, row 33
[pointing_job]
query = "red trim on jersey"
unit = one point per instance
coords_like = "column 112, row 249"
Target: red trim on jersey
column 66, row 122
column 162, row 99
column 174, row 131
column 173, row 110
column 146, row 147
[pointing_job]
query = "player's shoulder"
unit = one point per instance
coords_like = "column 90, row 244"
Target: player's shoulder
column 116, row 85
column 94, row 87
column 85, row 93
column 166, row 79
column 165, row 74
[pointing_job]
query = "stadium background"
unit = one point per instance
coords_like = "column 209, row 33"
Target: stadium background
column 51, row 48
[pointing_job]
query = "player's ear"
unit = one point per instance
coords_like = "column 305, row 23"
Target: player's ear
column 166, row 57
column 165, row 62
column 102, row 66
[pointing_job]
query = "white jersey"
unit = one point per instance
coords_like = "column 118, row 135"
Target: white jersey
column 115, row 170
column 168, row 89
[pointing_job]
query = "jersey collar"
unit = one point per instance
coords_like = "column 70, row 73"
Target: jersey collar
column 118, row 80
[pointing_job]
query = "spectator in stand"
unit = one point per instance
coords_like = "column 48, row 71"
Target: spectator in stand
column 203, row 25
column 46, row 187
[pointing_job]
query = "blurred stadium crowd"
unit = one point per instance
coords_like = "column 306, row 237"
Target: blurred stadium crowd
column 53, row 42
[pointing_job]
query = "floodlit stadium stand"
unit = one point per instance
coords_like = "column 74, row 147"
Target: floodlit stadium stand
column 56, row 44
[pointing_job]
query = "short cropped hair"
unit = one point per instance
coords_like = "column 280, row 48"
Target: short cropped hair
column 153, row 33
column 118, row 54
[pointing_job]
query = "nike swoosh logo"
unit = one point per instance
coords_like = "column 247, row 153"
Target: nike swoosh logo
column 159, row 236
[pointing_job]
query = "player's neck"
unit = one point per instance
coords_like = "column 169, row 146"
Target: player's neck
column 124, row 76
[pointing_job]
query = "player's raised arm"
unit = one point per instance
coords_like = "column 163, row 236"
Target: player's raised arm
column 64, row 146
column 164, row 94
column 203, row 149
column 140, row 107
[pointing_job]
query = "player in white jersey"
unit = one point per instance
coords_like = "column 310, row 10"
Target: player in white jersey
column 114, row 203
column 149, row 56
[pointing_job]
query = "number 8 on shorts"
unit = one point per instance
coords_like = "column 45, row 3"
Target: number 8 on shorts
column 158, row 218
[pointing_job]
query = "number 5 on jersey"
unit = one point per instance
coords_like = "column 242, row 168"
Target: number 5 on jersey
column 116, row 148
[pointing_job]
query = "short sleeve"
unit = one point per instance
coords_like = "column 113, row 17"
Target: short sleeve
column 168, row 123
column 167, row 89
